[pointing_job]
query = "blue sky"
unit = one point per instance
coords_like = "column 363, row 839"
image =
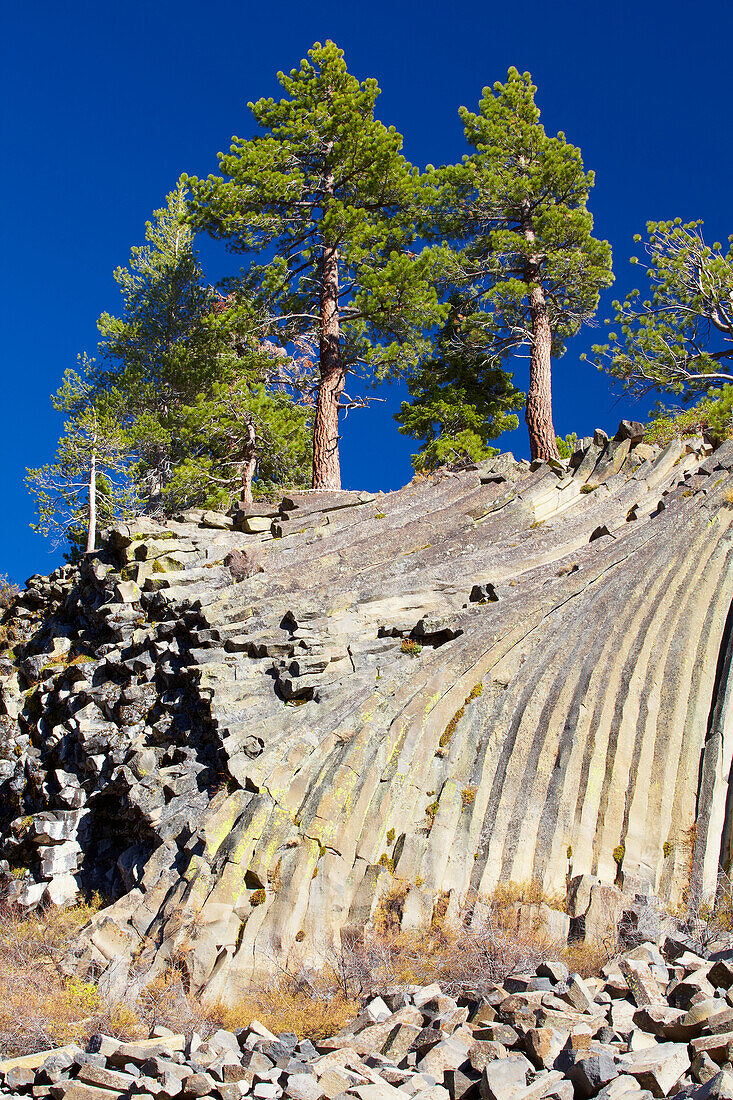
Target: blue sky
column 103, row 106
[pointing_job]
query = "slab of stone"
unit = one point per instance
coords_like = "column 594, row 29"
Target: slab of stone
column 34, row 1061
column 589, row 1075
column 502, row 1080
column 304, row 1086
column 659, row 1068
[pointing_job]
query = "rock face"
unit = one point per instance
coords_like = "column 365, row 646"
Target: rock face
column 246, row 729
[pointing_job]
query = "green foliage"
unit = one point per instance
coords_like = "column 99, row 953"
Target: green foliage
column 515, row 212
column 92, row 464
column 198, row 390
column 411, row 647
column 712, row 414
column 677, row 335
column 214, row 437
column 457, row 405
column 325, row 188
column 447, row 734
column 567, row 446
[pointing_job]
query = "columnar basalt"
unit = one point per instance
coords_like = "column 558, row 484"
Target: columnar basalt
column 246, row 728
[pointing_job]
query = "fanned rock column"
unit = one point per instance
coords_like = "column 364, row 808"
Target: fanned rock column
column 270, row 722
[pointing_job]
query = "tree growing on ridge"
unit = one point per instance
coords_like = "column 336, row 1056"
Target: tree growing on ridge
column 680, row 338
column 183, row 370
column 88, row 486
column 458, row 402
column 162, row 349
column 326, row 191
column 526, row 266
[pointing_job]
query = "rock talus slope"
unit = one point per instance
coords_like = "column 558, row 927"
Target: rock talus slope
column 249, row 731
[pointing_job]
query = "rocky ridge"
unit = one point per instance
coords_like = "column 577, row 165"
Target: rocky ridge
column 249, row 729
column 658, row 1023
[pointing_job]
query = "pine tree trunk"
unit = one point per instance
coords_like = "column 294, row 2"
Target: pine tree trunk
column 326, row 465
column 248, row 470
column 92, row 529
column 538, row 412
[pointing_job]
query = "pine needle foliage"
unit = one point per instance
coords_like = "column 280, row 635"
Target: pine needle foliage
column 676, row 336
column 326, row 201
column 526, row 268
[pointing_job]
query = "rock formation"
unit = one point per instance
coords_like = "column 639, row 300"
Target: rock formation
column 247, row 730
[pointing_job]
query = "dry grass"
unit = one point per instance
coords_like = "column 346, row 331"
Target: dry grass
column 466, row 951
column 587, row 958
column 39, row 1004
column 509, row 894
column 310, row 1003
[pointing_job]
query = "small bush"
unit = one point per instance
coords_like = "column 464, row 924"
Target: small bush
column 411, row 647
column 586, row 958
column 8, row 592
column 450, row 729
column 567, row 446
column 311, row 1008
column 468, row 797
column 712, row 414
column 509, row 894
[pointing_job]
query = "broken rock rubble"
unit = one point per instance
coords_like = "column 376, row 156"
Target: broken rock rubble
column 658, row 1023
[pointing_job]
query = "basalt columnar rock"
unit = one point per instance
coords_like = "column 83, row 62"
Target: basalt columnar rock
column 247, row 730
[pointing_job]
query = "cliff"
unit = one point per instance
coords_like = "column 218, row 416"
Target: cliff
column 249, row 731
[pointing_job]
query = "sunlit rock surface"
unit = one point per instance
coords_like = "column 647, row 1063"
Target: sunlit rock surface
column 495, row 675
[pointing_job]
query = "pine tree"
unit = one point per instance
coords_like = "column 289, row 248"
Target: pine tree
column 526, row 265
column 458, row 402
column 162, row 350
column 326, row 191
column 679, row 339
column 88, row 486
column 180, row 359
column 240, row 428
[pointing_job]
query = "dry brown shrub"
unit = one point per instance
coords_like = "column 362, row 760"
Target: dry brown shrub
column 310, row 1002
column 586, row 958
column 469, row 956
column 40, row 1005
column 8, row 591
column 296, row 1012
column 509, row 894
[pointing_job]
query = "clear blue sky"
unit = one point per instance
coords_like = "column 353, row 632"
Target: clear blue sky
column 103, row 106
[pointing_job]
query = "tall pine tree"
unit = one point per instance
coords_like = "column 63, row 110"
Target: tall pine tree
column 325, row 191
column 526, row 266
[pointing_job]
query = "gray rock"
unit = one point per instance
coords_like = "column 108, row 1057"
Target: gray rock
column 503, row 1080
